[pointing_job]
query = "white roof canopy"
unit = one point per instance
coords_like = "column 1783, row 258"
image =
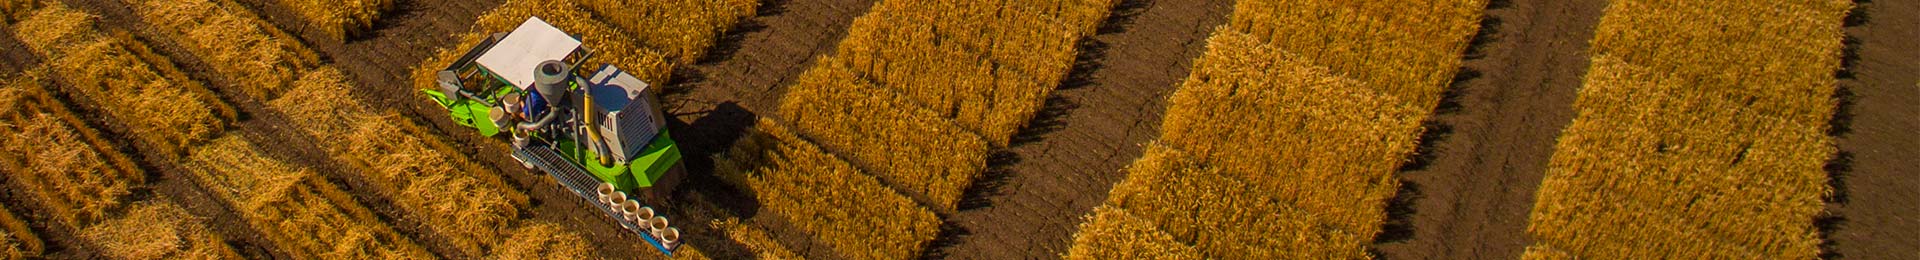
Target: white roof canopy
column 535, row 41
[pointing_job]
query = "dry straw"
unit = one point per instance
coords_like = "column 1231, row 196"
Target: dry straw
column 1689, row 145
column 142, row 93
column 1111, row 233
column 465, row 203
column 302, row 213
column 258, row 60
column 157, row 230
column 988, row 66
column 920, row 153
column 339, row 19
column 52, row 157
column 540, row 240
column 826, row 197
column 1283, row 142
column 754, row 239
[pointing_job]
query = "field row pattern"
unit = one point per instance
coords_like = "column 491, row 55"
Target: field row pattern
column 826, row 197
column 143, row 94
column 920, row 91
column 1687, row 143
column 1284, row 140
column 72, row 173
column 301, row 212
column 465, row 203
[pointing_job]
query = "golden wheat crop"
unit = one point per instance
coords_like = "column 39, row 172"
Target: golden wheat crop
column 754, row 239
column 55, row 159
column 466, row 203
column 17, row 240
column 826, row 197
column 916, row 150
column 339, row 18
column 541, row 240
column 259, row 60
column 146, row 97
column 1216, row 186
column 1111, row 233
column 988, row 65
column 682, row 30
column 1283, row 142
column 1406, row 48
column 304, row 214
column 613, row 45
column 10, row 249
column 157, row 230
column 1701, row 132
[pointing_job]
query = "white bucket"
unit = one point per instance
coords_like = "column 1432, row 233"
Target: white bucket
column 657, row 223
column 605, row 192
column 640, row 216
column 630, row 210
column 616, row 199
column 669, row 235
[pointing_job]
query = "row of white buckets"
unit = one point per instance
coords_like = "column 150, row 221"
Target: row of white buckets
column 633, row 212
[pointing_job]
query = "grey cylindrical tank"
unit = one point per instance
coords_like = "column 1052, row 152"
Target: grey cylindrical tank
column 550, row 79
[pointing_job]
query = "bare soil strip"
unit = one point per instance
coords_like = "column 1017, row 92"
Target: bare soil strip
column 1074, row 151
column 1874, row 175
column 743, row 77
column 1469, row 193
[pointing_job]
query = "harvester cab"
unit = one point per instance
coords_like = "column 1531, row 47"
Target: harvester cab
column 601, row 135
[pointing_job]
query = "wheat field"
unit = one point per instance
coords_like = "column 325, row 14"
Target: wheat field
column 825, row 196
column 145, row 94
column 295, row 208
column 258, row 60
column 1283, row 141
column 1686, row 144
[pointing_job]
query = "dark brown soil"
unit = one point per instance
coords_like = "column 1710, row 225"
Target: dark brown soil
column 1067, row 158
column 1468, row 194
column 1877, row 185
column 715, row 101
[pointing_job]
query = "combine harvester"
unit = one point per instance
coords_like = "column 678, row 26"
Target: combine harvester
column 601, row 135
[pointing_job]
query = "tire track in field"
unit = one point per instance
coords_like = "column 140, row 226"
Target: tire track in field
column 1065, row 160
column 1469, row 193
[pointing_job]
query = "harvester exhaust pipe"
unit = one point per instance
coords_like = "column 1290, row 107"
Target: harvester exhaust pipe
column 550, row 80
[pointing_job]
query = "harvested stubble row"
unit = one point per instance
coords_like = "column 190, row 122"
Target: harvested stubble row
column 64, row 165
column 339, row 18
column 919, row 90
column 755, row 239
column 144, row 95
column 17, row 240
column 612, row 44
column 986, row 64
column 1112, row 233
column 826, row 197
column 301, row 212
column 540, row 240
column 682, row 30
column 924, row 155
column 55, row 159
column 158, row 230
column 260, row 61
column 465, row 203
column 1285, row 147
column 1687, row 144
